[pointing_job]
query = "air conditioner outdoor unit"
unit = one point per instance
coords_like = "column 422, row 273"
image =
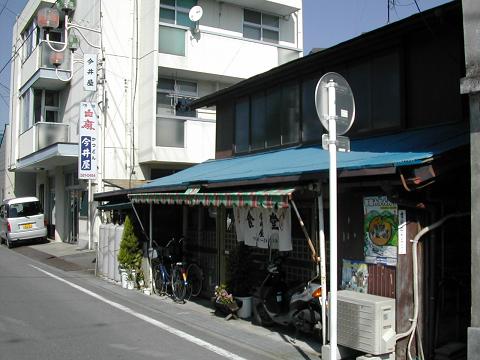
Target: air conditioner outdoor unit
column 366, row 322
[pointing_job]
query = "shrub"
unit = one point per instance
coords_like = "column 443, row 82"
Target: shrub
column 130, row 254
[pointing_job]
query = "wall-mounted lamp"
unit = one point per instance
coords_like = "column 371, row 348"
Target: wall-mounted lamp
column 48, row 18
column 73, row 42
column 67, row 6
column 56, row 58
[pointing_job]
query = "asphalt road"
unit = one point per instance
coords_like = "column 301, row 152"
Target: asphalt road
column 47, row 313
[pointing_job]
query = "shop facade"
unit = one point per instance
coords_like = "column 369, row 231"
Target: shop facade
column 408, row 169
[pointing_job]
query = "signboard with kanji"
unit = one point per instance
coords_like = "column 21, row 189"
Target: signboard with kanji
column 87, row 146
column 90, row 72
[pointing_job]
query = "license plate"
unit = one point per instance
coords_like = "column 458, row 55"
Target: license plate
column 26, row 226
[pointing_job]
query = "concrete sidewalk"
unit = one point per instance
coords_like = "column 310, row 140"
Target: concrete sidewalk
column 65, row 256
column 198, row 312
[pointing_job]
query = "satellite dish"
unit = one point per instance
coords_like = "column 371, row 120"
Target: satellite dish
column 195, row 13
column 344, row 102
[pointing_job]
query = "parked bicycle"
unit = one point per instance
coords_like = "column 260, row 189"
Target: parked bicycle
column 175, row 277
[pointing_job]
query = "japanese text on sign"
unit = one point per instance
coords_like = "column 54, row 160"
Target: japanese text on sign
column 90, row 72
column 87, row 157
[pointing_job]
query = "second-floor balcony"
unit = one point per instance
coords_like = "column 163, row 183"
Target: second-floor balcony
column 177, row 139
column 41, row 136
column 221, row 56
column 45, row 146
column 39, row 69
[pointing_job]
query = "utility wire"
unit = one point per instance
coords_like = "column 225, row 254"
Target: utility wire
column 4, row 6
column 5, row 86
column 24, row 41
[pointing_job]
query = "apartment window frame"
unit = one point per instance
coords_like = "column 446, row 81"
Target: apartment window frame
column 31, row 115
column 261, row 26
column 176, row 93
column 27, row 110
column 178, row 10
column 30, row 37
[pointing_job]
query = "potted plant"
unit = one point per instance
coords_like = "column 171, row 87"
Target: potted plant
column 224, row 302
column 130, row 253
column 239, row 277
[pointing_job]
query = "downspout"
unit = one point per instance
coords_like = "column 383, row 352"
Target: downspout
column 413, row 328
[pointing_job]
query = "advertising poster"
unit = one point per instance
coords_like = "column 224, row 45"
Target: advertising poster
column 355, row 276
column 264, row 228
column 381, row 230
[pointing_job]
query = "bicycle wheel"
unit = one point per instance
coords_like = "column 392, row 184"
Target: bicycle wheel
column 179, row 288
column 195, row 278
column 159, row 284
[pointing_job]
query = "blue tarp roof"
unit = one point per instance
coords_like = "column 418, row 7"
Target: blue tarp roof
column 403, row 149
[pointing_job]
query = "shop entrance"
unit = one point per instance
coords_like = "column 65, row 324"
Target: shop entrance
column 75, row 207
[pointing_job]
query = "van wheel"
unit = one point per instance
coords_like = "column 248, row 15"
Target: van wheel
column 1, row 241
column 9, row 244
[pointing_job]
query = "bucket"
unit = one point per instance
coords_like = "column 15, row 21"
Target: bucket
column 245, row 310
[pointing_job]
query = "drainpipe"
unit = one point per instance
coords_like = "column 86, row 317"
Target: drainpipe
column 413, row 328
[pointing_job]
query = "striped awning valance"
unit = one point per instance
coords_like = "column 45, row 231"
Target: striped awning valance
column 262, row 198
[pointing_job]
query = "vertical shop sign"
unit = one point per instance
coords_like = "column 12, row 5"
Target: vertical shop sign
column 87, row 146
column 90, row 72
column 381, row 230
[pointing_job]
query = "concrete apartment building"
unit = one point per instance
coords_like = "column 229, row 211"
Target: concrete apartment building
column 152, row 60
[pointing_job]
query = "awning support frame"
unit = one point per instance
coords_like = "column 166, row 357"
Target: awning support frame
column 315, row 257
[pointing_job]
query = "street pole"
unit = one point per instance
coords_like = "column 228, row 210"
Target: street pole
column 90, row 213
column 332, row 149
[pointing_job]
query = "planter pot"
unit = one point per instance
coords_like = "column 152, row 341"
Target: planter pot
column 147, row 291
column 130, row 284
column 123, row 277
column 245, row 310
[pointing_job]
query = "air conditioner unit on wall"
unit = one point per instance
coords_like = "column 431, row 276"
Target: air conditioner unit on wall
column 366, row 322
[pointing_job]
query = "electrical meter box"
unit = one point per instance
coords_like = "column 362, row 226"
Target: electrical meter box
column 366, row 322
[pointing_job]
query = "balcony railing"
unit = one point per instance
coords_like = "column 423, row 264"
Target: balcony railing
column 50, row 133
column 42, row 135
column 40, row 59
column 46, row 52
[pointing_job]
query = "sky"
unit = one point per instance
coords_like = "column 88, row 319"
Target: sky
column 326, row 23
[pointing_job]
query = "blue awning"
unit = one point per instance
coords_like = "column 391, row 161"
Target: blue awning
column 403, row 149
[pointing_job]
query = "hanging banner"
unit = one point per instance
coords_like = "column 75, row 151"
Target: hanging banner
column 264, row 228
column 381, row 230
column 90, row 72
column 87, row 146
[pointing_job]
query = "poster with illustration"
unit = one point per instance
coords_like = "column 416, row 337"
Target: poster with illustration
column 355, row 276
column 381, row 230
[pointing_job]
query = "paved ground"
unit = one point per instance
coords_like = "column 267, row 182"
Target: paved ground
column 197, row 314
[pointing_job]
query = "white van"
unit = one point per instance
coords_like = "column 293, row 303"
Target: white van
column 21, row 219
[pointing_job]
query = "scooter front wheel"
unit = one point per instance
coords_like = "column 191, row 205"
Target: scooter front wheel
column 260, row 316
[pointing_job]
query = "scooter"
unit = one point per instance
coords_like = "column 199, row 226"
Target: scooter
column 297, row 306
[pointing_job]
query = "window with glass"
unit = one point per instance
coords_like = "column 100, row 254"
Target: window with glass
column 39, row 106
column 260, row 26
column 171, row 41
column 242, row 125
column 176, row 11
column 27, row 116
column 174, row 96
column 170, row 132
column 46, row 106
column 30, row 38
